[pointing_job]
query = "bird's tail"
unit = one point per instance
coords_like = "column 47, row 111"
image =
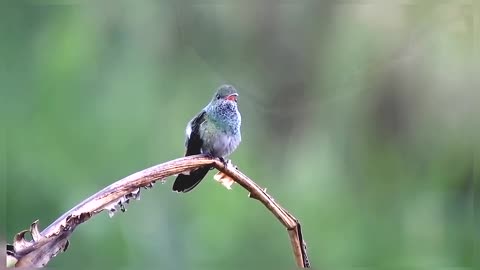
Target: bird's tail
column 185, row 183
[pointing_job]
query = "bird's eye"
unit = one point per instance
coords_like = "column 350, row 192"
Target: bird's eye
column 218, row 96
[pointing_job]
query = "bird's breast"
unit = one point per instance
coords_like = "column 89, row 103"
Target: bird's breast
column 217, row 141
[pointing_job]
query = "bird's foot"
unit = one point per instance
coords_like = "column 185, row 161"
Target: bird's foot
column 224, row 161
column 210, row 156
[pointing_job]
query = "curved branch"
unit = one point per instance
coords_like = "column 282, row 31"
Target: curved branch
column 54, row 239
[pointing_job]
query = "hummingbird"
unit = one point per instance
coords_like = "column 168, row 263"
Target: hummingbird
column 214, row 131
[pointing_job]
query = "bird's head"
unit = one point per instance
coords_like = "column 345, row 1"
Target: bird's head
column 225, row 94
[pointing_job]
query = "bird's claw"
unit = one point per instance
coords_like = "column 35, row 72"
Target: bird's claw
column 224, row 161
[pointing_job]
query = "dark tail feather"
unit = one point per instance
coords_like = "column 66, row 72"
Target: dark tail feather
column 185, row 183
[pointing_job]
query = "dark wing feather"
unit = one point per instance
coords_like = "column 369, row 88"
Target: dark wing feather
column 184, row 182
column 194, row 142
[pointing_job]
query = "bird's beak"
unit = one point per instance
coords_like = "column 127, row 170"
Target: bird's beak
column 232, row 97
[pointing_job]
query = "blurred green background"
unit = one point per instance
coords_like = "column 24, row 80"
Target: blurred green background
column 360, row 117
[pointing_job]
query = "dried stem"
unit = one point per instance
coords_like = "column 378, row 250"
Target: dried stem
column 54, row 239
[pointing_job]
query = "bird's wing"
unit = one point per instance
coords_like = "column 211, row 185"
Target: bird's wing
column 186, row 182
column 193, row 141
